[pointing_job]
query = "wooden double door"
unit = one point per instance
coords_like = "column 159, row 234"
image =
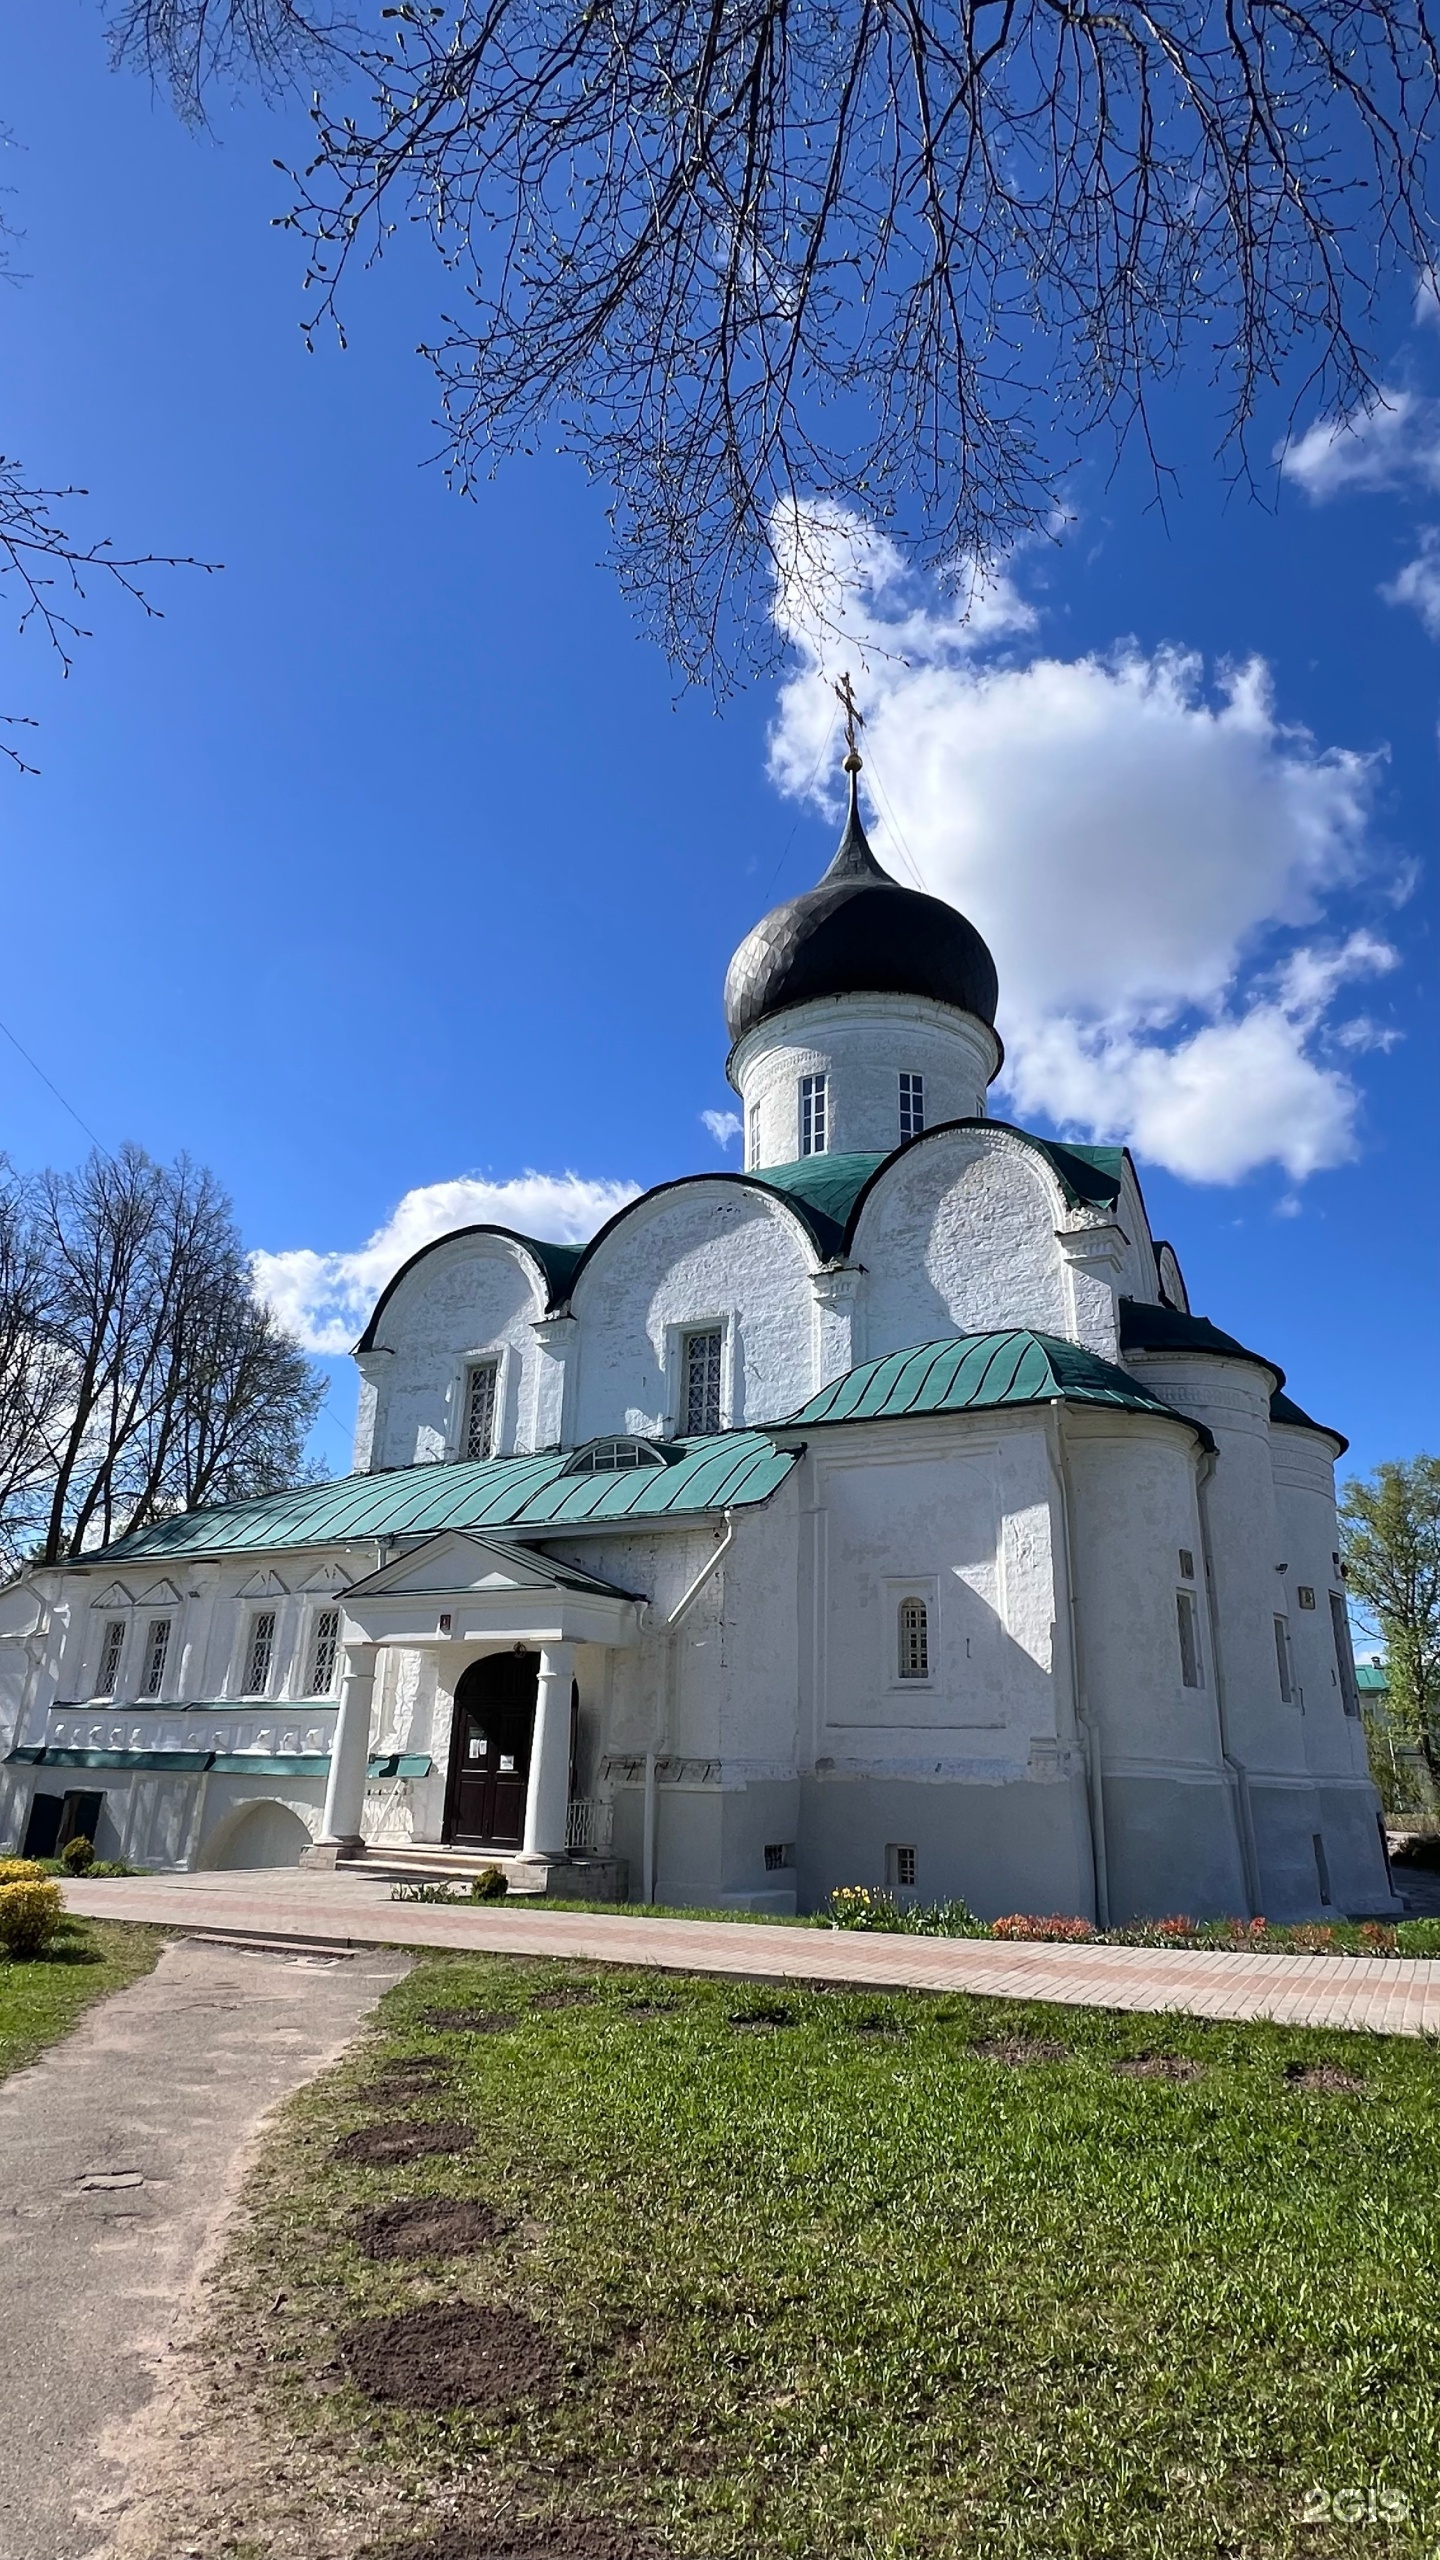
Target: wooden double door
column 490, row 1751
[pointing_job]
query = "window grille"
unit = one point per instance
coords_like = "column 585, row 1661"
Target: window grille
column 814, row 1140
column 261, row 1655
column 613, row 1457
column 324, row 1653
column 111, row 1648
column 157, row 1645
column 480, row 1381
column 900, row 1865
column 701, row 1380
column 1188, row 1626
column 1344, row 1653
column 778, row 1854
column 914, row 1640
column 912, row 1107
column 1282, row 1660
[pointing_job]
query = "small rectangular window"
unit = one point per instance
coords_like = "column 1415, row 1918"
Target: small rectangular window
column 260, row 1654
column 1305, row 1594
column 1322, row 1866
column 1187, row 1564
column 1344, row 1653
column 324, row 1653
column 914, row 1640
column 1189, row 1631
column 814, row 1139
column 900, row 1865
column 479, row 1437
column 778, row 1854
column 912, row 1107
column 1282, row 1659
column 112, row 1645
column 701, row 1361
column 157, row 1646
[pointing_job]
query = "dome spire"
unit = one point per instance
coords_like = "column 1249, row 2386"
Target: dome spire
column 853, row 857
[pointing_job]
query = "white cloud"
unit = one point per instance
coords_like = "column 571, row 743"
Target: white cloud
column 723, row 1125
column 323, row 1299
column 1418, row 583
column 1393, row 440
column 1128, row 839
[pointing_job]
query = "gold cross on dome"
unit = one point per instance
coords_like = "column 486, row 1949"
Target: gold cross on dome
column 854, row 719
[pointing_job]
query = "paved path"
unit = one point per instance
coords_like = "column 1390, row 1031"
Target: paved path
column 120, row 2152
column 1397, row 1996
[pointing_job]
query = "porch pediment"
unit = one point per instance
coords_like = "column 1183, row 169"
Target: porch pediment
column 455, row 1564
column 456, row 1588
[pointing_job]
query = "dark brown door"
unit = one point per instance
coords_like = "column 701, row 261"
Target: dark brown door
column 490, row 1751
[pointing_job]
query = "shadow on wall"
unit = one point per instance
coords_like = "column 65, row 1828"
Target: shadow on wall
column 257, row 1835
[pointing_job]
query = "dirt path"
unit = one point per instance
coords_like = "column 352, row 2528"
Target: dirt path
column 121, row 2151
column 1394, row 1996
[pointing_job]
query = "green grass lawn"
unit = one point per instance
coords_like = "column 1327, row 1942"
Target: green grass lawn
column 42, row 1998
column 843, row 2281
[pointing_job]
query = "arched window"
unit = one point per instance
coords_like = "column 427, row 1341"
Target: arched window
column 914, row 1640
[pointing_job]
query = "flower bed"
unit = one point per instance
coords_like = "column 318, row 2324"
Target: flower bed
column 859, row 1906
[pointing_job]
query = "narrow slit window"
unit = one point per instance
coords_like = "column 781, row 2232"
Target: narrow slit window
column 1282, row 1660
column 814, row 1116
column 914, row 1640
column 112, row 1645
column 157, row 1647
column 1322, row 1866
column 260, row 1653
column 1188, row 1628
column 912, row 1107
column 480, row 1383
column 1344, row 1653
column 324, row 1653
column 700, row 1380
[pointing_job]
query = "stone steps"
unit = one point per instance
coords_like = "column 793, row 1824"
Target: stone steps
column 575, row 1879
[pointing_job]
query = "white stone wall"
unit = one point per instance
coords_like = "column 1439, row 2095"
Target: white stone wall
column 863, row 1044
column 704, row 1253
column 958, row 1236
column 473, row 1297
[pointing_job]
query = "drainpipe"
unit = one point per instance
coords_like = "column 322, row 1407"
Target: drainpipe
column 669, row 1674
column 1094, row 1774
column 1244, row 1812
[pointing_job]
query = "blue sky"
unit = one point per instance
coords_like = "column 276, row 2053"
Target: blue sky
column 391, row 863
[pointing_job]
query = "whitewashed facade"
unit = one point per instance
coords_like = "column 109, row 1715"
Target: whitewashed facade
column 1076, row 1646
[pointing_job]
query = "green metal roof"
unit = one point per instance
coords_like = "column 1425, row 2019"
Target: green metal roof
column 558, row 1262
column 1373, row 1678
column 219, row 1764
column 732, row 1470
column 827, row 1188
column 977, row 1372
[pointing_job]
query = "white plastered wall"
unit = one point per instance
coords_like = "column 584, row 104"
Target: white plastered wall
column 701, row 1253
column 958, row 1236
column 862, row 1044
column 473, row 1296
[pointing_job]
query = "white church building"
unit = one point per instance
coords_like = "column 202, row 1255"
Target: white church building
column 879, row 1514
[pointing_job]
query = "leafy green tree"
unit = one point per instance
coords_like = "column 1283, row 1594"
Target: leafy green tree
column 1390, row 1525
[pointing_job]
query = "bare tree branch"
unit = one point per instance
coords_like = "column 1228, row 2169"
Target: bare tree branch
column 902, row 255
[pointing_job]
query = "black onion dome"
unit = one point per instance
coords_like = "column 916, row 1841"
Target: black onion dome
column 858, row 932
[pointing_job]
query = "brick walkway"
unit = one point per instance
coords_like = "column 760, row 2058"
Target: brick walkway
column 1399, row 1996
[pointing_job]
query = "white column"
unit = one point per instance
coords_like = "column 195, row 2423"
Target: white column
column 547, row 1800
column 349, row 1752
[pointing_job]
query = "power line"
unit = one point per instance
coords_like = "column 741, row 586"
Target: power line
column 54, row 1088
column 893, row 823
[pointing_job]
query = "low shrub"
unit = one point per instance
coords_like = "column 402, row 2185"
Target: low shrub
column 30, row 1914
column 21, row 1871
column 863, row 1906
column 1418, row 1937
column 1059, row 1925
column 78, row 1855
column 489, row 1885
